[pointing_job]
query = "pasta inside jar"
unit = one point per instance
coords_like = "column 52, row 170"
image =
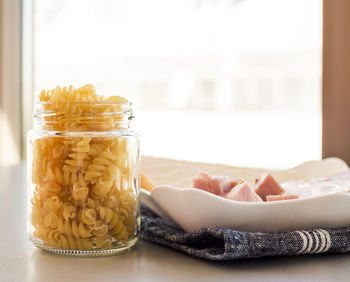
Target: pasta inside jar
column 84, row 173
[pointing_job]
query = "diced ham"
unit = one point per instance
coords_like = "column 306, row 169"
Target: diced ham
column 235, row 182
column 271, row 198
column 290, row 197
column 213, row 183
column 243, row 193
column 267, row 185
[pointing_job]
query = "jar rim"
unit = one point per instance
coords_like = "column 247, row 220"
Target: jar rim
column 86, row 102
column 120, row 107
column 83, row 116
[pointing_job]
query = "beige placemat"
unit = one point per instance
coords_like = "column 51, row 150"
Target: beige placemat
column 179, row 173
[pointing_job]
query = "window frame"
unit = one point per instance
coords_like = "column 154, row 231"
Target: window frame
column 10, row 81
column 335, row 80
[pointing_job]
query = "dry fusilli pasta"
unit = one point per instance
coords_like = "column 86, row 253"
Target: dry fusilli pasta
column 84, row 193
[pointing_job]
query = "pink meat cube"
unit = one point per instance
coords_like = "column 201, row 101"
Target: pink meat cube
column 213, row 183
column 243, row 193
column 267, row 185
column 271, row 198
column 290, row 197
column 235, row 182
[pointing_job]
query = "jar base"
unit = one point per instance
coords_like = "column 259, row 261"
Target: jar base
column 118, row 248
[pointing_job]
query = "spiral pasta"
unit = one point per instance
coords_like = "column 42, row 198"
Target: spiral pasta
column 69, row 113
column 73, row 228
column 69, row 242
column 105, row 214
column 88, row 216
column 84, row 192
column 118, row 228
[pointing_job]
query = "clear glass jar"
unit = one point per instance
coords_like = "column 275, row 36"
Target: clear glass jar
column 83, row 168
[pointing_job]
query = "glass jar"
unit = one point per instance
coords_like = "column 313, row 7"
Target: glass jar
column 83, row 168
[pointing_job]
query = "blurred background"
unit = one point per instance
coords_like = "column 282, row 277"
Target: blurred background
column 227, row 81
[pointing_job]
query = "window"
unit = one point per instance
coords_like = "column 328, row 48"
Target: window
column 236, row 82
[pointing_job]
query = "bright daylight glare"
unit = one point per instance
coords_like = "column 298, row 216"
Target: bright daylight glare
column 230, row 81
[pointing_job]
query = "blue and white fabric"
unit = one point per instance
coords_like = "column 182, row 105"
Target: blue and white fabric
column 217, row 243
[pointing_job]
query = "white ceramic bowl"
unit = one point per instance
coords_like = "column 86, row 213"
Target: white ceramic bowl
column 193, row 208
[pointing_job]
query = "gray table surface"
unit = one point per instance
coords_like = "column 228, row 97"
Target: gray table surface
column 20, row 261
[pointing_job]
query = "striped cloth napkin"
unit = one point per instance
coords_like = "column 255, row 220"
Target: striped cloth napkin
column 217, row 243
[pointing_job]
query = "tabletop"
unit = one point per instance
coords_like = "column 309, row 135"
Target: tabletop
column 21, row 261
